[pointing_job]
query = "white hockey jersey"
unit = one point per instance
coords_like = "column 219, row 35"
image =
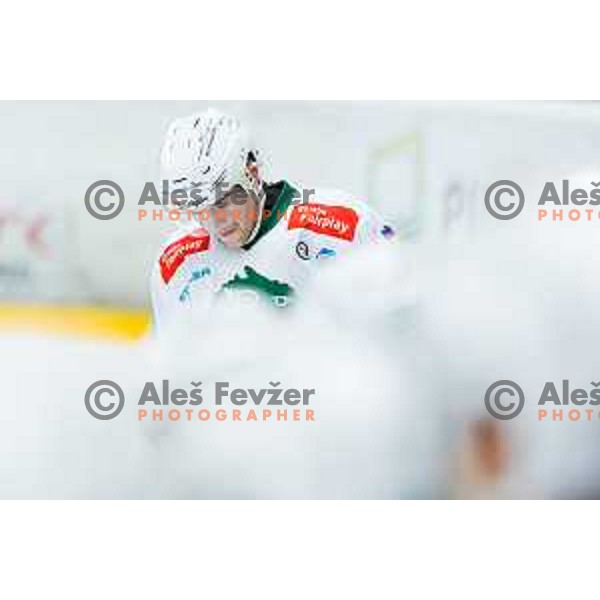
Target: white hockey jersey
column 194, row 269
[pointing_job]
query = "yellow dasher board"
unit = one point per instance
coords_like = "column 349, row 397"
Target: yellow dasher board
column 75, row 320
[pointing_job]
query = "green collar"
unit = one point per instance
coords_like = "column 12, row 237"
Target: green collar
column 277, row 212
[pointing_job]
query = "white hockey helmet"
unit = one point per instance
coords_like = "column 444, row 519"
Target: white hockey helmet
column 210, row 151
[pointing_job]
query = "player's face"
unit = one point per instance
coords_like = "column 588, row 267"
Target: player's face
column 233, row 217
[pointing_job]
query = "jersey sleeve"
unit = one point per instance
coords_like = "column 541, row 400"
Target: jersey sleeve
column 332, row 224
column 172, row 274
column 162, row 301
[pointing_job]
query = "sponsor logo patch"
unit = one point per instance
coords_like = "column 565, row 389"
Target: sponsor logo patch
column 197, row 274
column 334, row 221
column 387, row 232
column 302, row 251
column 325, row 253
column 176, row 253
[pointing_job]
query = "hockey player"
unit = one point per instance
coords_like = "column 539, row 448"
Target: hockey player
column 250, row 238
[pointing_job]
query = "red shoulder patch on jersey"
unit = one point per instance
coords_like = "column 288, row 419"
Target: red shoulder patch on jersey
column 334, row 221
column 175, row 254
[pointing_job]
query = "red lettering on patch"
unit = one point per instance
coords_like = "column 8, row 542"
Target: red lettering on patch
column 334, row 221
column 176, row 253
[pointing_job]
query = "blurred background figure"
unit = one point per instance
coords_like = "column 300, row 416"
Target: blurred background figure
column 487, row 465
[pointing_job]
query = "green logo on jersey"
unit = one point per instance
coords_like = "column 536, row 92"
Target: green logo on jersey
column 279, row 293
